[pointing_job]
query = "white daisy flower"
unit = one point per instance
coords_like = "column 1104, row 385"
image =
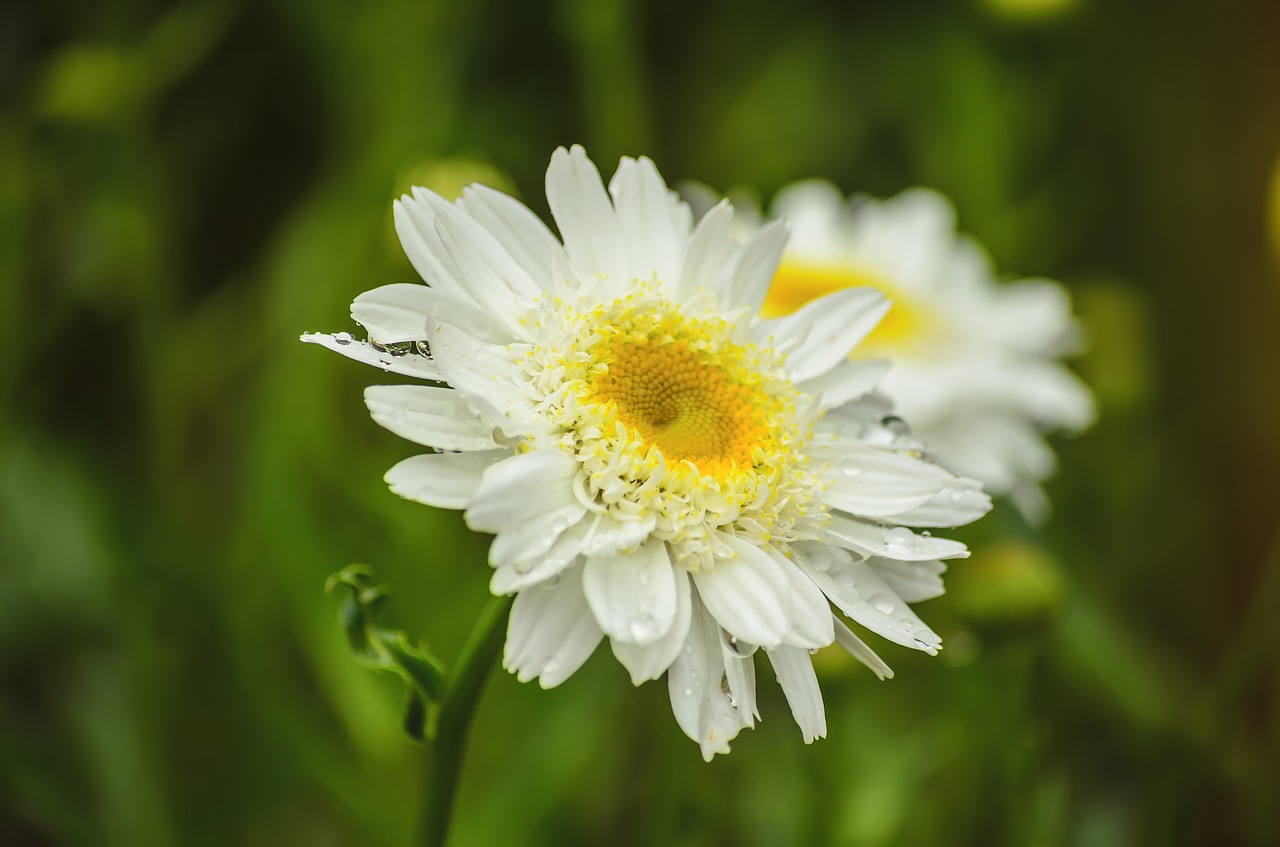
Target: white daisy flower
column 660, row 467
column 976, row 365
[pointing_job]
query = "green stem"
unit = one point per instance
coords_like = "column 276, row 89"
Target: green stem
column 448, row 743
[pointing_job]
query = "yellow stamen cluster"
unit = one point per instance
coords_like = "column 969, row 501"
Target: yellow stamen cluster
column 674, row 420
column 671, row 396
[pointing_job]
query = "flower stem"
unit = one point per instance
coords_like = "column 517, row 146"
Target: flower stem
column 462, row 691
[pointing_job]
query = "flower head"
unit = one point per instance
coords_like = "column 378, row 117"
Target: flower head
column 975, row 363
column 660, row 466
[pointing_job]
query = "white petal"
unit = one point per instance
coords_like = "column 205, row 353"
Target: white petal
column 583, row 213
column 536, row 530
column 847, row 382
column 415, row 221
column 649, row 661
column 1032, row 315
column 524, row 236
column 860, row 593
column 858, row 648
column 710, row 248
column 521, row 487
column 811, row 613
column 482, row 373
column 484, row 261
column 402, row 311
column 891, row 542
column 524, row 572
column 446, row 480
column 429, row 415
column 633, row 595
column 960, row 501
column 395, row 313
column 823, row 332
column 749, row 595
column 818, row 213
column 876, row 483
column 694, row 682
column 610, row 535
column 362, row 351
column 914, row 582
column 754, row 269
column 653, row 220
column 800, row 685
column 551, row 631
column 1051, row 394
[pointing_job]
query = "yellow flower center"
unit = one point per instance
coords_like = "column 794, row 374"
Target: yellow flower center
column 796, row 283
column 674, row 417
column 691, row 409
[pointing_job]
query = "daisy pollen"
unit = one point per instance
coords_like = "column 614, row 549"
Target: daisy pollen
column 659, row 466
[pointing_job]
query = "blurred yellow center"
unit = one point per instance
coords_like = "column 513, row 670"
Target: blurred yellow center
column 796, row 283
column 672, row 397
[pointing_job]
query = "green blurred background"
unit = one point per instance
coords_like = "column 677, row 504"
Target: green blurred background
column 186, row 188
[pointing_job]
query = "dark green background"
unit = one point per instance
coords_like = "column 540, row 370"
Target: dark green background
column 184, row 189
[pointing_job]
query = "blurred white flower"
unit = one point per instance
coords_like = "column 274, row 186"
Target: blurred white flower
column 659, row 465
column 976, row 365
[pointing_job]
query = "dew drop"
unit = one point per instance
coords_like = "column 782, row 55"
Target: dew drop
column 552, row 582
column 895, row 424
column 898, row 540
column 643, row 628
column 645, row 577
column 343, row 338
column 688, row 692
column 550, row 667
column 851, row 468
column 741, row 649
column 882, row 603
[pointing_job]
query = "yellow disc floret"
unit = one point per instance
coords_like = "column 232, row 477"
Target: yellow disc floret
column 675, row 419
column 673, row 396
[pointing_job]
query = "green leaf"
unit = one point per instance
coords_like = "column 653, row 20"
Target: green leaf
column 386, row 649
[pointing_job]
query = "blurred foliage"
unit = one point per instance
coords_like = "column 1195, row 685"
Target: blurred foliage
column 184, row 189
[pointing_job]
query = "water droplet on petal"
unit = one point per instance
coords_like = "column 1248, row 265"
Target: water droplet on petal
column 741, row 649
column 895, row 424
column 688, row 692
column 898, row 540
column 643, row 628
column 851, row 467
column 550, row 667
column 343, row 338
column 882, row 603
